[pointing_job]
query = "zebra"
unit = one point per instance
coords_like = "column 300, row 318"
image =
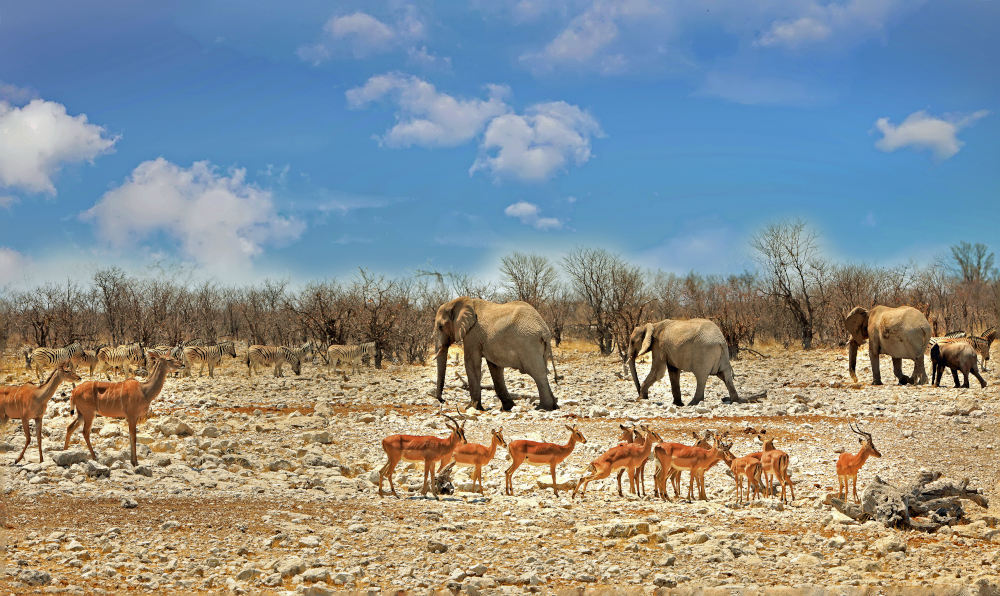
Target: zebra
column 349, row 354
column 42, row 358
column 210, row 355
column 275, row 356
column 124, row 357
column 979, row 343
column 86, row 358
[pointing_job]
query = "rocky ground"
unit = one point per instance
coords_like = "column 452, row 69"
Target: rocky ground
column 266, row 485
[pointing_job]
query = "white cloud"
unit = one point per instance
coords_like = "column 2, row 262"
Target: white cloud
column 583, row 41
column 219, row 221
column 818, row 22
column 425, row 59
column 361, row 34
column 12, row 265
column 920, row 130
column 15, row 94
column 38, row 139
column 530, row 215
column 537, row 144
column 425, row 116
column 748, row 89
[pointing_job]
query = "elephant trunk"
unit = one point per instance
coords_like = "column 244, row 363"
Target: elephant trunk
column 852, row 358
column 635, row 376
column 442, row 363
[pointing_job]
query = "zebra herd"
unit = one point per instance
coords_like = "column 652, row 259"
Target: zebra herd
column 125, row 359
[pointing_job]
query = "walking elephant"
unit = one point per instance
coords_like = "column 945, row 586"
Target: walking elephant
column 693, row 345
column 510, row 335
column 901, row 332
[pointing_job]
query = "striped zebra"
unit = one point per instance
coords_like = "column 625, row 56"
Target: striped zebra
column 122, row 357
column 272, row 356
column 979, row 343
column 86, row 358
column 351, row 354
column 207, row 355
column 42, row 358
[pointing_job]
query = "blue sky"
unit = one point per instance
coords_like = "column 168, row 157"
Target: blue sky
column 303, row 140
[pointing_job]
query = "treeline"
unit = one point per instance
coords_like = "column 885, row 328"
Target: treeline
column 796, row 296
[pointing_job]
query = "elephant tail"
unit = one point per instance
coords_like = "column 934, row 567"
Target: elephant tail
column 552, row 357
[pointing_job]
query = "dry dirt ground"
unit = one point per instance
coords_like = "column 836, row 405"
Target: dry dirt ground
column 266, row 485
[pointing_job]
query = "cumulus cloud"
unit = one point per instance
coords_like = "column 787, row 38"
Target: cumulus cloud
column 819, row 22
column 38, row 139
column 920, row 130
column 361, row 34
column 530, row 215
column 12, row 264
column 218, row 220
column 426, row 117
column 537, row 144
column 15, row 94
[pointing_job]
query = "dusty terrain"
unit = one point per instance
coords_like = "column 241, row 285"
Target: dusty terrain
column 265, row 485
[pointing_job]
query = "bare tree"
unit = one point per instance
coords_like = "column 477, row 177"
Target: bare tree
column 794, row 272
column 530, row 278
column 589, row 271
column 973, row 262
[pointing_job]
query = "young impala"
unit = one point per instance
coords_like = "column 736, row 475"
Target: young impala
column 628, row 456
column 429, row 450
column 474, row 454
column 541, row 454
column 848, row 465
column 774, row 464
column 747, row 467
column 28, row 402
column 697, row 461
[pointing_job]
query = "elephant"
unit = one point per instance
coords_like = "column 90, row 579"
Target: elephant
column 901, row 332
column 958, row 356
column 509, row 335
column 692, row 345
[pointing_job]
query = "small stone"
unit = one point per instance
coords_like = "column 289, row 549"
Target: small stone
column 889, row 544
column 310, row 541
column 248, row 572
column 129, row 503
column 436, row 547
column 837, row 541
column 357, row 528
column 33, row 577
column 662, row 581
column 289, row 566
column 316, row 574
column 478, row 570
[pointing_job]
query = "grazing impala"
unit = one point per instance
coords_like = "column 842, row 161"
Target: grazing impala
column 848, row 465
column 429, row 450
column 541, row 454
column 697, row 461
column 474, row 454
column 628, row 456
column 28, row 402
column 128, row 399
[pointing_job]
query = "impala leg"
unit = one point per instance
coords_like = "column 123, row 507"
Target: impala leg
column 27, row 438
column 434, row 491
column 72, row 428
column 132, row 423
column 552, row 468
column 86, row 436
column 631, row 479
column 509, row 474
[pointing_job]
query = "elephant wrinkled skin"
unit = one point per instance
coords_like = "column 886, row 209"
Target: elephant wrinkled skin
column 901, row 332
column 694, row 345
column 509, row 335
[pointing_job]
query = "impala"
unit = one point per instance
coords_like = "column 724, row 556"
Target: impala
column 474, row 454
column 629, row 456
column 697, row 461
column 541, row 454
column 747, row 466
column 429, row 450
column 774, row 464
column 848, row 465
column 702, row 441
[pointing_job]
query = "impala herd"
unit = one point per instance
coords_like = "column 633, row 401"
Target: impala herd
column 630, row 456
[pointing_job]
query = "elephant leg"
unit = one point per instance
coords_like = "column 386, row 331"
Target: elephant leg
column 656, row 371
column 965, row 385
column 897, row 369
column 675, row 384
column 873, row 357
column 474, row 368
column 500, row 386
column 699, row 392
column 727, row 378
column 954, row 375
column 919, row 372
column 982, row 381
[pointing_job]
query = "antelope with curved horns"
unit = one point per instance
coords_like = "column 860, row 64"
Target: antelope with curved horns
column 541, row 454
column 849, row 465
column 427, row 449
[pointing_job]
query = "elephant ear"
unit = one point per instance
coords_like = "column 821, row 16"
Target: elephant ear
column 856, row 323
column 647, row 340
column 464, row 318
